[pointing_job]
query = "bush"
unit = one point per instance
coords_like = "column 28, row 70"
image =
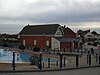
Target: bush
column 36, row 49
column 5, row 45
column 21, row 47
column 34, row 59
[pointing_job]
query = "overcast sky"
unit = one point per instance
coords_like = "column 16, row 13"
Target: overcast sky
column 77, row 14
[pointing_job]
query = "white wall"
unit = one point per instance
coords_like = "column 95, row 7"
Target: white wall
column 89, row 35
column 58, row 33
column 55, row 44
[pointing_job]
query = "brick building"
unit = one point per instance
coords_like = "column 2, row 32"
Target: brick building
column 54, row 36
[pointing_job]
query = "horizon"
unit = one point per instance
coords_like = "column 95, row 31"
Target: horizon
column 18, row 29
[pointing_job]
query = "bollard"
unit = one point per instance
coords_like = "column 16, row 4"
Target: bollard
column 57, row 63
column 48, row 62
column 99, row 59
column 77, row 60
column 64, row 61
column 70, row 50
column 64, row 49
column 13, row 61
column 43, row 50
column 40, row 62
column 43, row 64
column 70, row 47
column 89, row 59
column 61, row 60
column 96, row 57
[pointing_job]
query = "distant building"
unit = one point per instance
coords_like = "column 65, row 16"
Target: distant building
column 52, row 36
column 9, row 40
column 89, row 39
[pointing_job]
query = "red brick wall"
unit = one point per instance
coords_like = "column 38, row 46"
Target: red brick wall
column 40, row 41
column 68, row 46
column 68, row 33
column 65, row 45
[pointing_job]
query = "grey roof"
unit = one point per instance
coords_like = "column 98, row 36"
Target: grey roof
column 47, row 29
column 68, row 39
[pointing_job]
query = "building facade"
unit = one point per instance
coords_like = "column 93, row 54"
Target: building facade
column 53, row 36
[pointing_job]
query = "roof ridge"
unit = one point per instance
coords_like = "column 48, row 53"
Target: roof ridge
column 42, row 25
column 40, row 29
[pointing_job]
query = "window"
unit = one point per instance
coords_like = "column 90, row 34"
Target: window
column 24, row 42
column 89, row 44
column 47, row 43
column 34, row 42
column 94, row 44
column 89, row 35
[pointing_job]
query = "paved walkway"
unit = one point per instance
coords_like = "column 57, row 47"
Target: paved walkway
column 70, row 62
column 87, row 71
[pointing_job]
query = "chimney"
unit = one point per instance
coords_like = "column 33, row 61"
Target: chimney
column 64, row 26
column 28, row 25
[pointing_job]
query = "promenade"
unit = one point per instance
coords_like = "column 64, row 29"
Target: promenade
column 70, row 62
column 86, row 71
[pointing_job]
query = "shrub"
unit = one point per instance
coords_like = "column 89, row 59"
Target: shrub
column 5, row 45
column 21, row 47
column 34, row 59
column 36, row 49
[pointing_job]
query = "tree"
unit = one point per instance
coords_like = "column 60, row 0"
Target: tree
column 94, row 32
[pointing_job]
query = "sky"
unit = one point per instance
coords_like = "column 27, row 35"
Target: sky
column 77, row 14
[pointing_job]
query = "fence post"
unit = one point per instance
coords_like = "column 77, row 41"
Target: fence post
column 48, row 62
column 13, row 61
column 87, row 58
column 90, row 59
column 77, row 60
column 57, row 63
column 70, row 47
column 61, row 60
column 64, row 61
column 43, row 50
column 99, row 59
column 96, row 57
column 64, row 49
column 43, row 64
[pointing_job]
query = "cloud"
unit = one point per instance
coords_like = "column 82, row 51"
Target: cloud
column 72, row 12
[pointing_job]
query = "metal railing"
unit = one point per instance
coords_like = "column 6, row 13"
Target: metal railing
column 66, row 60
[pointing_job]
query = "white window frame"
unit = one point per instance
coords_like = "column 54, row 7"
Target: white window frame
column 24, row 42
column 35, row 42
column 47, row 42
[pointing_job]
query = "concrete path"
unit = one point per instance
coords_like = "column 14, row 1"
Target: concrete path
column 86, row 71
column 70, row 64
